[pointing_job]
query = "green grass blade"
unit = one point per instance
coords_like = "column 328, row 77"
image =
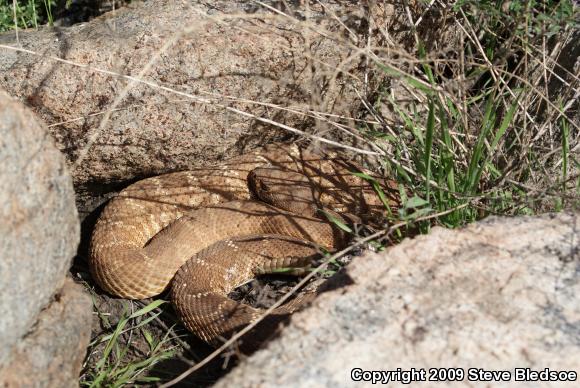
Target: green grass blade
column 447, row 158
column 394, row 72
column 505, row 123
column 565, row 151
column 337, row 221
column 377, row 188
column 475, row 166
column 150, row 307
column 429, row 146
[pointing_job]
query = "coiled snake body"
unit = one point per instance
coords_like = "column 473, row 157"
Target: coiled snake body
column 204, row 232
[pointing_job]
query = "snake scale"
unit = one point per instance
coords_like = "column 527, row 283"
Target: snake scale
column 203, row 232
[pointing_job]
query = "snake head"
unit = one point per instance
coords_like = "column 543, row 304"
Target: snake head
column 284, row 189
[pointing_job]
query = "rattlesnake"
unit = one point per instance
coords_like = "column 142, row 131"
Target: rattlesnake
column 204, row 232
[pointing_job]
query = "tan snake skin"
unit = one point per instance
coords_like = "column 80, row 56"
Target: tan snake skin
column 204, row 230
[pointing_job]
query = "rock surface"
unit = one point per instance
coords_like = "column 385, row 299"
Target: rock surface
column 40, row 234
column 40, row 229
column 51, row 355
column 252, row 62
column 500, row 294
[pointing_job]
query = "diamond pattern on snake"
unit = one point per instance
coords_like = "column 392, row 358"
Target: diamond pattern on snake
column 203, row 232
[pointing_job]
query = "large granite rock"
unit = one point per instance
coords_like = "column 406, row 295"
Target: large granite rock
column 218, row 54
column 39, row 236
column 500, row 294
